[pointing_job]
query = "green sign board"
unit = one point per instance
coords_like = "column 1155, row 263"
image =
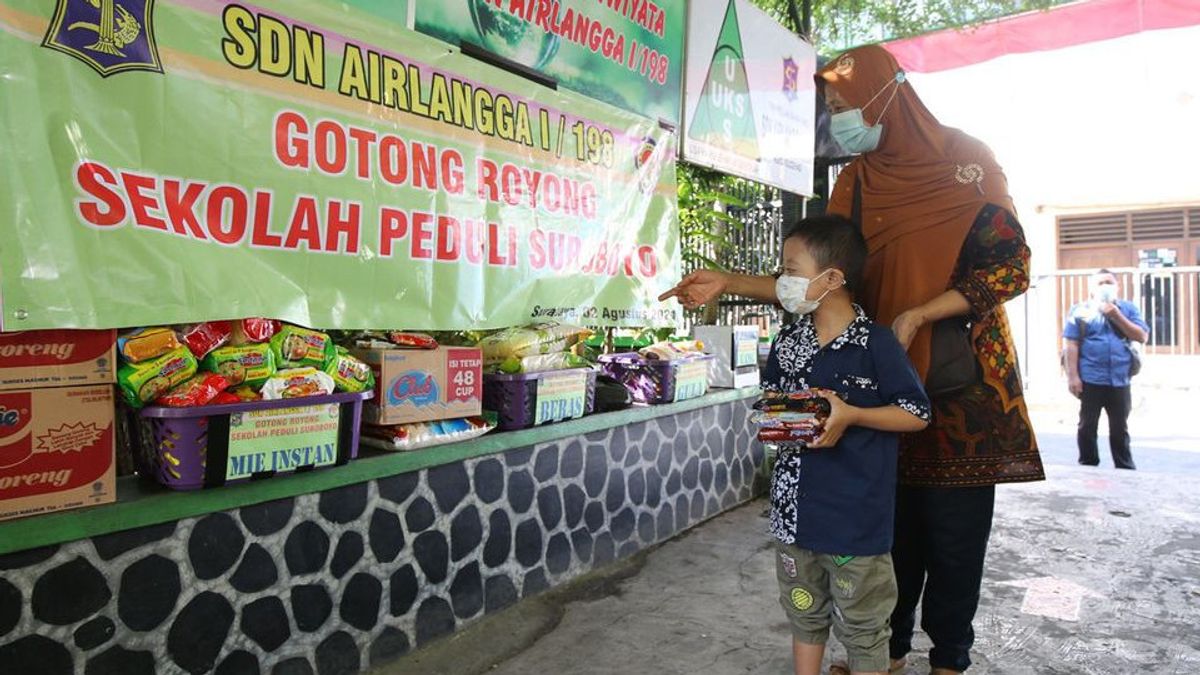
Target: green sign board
column 627, row 53
column 171, row 161
column 282, row 439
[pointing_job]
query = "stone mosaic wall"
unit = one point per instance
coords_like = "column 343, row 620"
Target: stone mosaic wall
column 335, row 582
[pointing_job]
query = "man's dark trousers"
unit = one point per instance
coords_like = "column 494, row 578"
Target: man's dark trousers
column 1115, row 402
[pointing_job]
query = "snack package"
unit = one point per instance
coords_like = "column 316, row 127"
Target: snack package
column 671, row 351
column 245, row 364
column 799, row 436
column 297, row 347
column 542, row 338
column 202, row 338
column 412, row 340
column 201, row 389
column 251, row 331
column 348, row 373
column 144, row 344
column 297, row 383
column 394, row 339
column 426, row 434
column 540, row 362
column 805, row 401
column 224, row 398
column 793, row 420
column 143, row 382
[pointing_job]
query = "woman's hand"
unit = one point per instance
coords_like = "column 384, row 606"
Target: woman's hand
column 907, row 324
column 841, row 416
column 698, row 288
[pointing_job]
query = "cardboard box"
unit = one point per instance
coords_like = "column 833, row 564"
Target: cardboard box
column 57, row 358
column 736, row 349
column 56, row 449
column 418, row 385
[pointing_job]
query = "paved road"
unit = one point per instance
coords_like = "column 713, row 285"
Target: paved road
column 1092, row 571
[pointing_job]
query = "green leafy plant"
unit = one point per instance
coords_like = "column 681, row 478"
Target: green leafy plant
column 703, row 197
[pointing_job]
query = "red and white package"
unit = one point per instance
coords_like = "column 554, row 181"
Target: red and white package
column 202, row 338
column 201, row 389
column 255, row 330
column 412, row 340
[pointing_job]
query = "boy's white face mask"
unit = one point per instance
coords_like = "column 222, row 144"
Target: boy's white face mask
column 793, row 293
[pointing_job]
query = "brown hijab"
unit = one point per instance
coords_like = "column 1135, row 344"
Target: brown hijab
column 922, row 189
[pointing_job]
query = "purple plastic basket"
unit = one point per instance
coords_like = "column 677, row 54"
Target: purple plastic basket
column 175, row 445
column 514, row 397
column 648, row 380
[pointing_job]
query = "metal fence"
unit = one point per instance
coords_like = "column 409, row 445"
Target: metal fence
column 1169, row 300
column 755, row 249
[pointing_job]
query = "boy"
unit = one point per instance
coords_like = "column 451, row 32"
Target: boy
column 832, row 501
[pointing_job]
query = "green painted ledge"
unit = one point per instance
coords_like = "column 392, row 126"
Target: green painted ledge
column 140, row 503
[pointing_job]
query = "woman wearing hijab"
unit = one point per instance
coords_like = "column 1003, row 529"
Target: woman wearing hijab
column 943, row 242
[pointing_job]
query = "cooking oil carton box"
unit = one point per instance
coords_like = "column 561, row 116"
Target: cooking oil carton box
column 56, row 449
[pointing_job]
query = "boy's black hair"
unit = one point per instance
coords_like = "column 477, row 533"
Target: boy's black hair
column 833, row 241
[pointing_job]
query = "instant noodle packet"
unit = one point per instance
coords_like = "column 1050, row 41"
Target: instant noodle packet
column 144, row 344
column 349, row 373
column 251, row 331
column 297, row 347
column 199, row 390
column 297, row 383
column 144, row 382
column 202, row 338
column 245, row 364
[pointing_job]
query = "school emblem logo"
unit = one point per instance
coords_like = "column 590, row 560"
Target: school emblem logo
column 111, row 36
column 791, row 78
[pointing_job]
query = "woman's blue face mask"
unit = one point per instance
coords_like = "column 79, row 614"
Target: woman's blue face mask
column 851, row 130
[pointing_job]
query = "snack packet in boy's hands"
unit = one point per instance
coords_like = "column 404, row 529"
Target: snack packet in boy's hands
column 796, row 418
column 143, row 382
column 801, row 401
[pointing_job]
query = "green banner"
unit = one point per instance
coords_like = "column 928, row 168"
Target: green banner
column 626, row 52
column 186, row 160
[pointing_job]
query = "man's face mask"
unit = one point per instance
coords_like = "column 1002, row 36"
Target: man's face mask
column 1105, row 292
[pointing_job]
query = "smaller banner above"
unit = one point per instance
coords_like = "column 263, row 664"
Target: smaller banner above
column 749, row 96
column 623, row 52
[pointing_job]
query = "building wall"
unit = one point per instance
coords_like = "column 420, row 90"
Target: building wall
column 331, row 583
